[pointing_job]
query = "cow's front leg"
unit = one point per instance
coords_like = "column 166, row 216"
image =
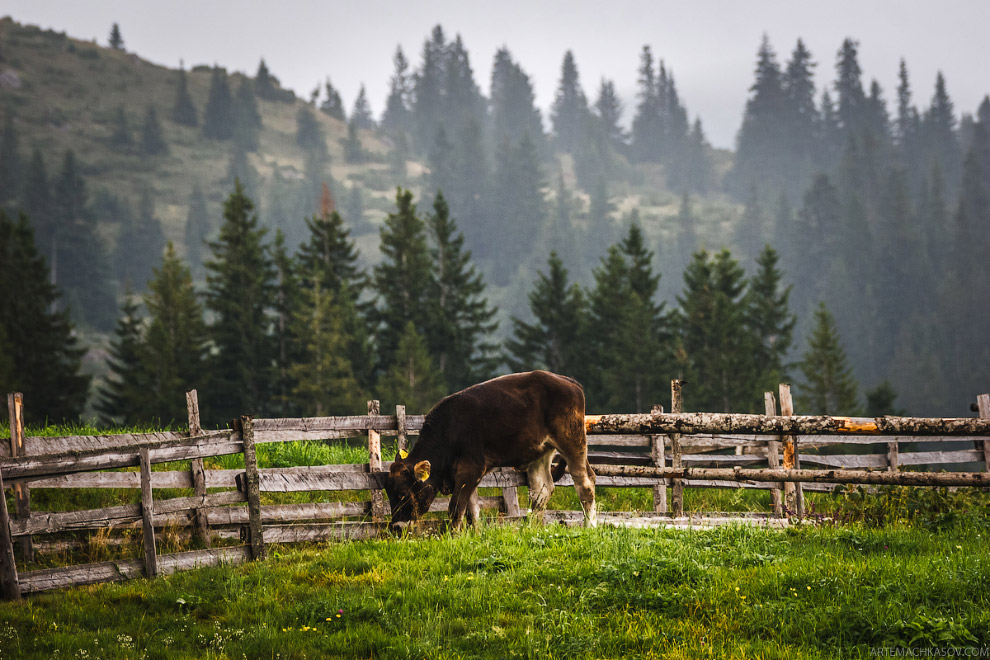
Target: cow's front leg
column 465, row 496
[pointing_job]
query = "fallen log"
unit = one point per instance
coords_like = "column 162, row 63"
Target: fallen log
column 884, row 478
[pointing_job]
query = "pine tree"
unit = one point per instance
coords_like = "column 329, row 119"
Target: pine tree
column 769, row 318
column 880, row 401
column 324, row 380
column 513, row 104
column 123, row 395
column 333, row 105
column 79, row 261
column 716, row 350
column 267, row 86
column 247, row 117
column 42, row 352
column 240, row 281
column 852, row 107
column 829, row 387
column 288, row 348
column 354, row 154
column 939, row 134
column 402, row 278
column 361, row 115
column 397, row 117
column 140, row 244
column 115, row 41
column 184, row 110
column 556, row 339
column 608, row 109
column 411, row 379
column 646, row 124
column 36, row 200
column 121, row 140
column 218, row 118
column 569, row 113
column 152, row 136
column 11, row 168
column 309, row 135
column 197, row 230
column 175, row 341
column 461, row 322
column 519, row 178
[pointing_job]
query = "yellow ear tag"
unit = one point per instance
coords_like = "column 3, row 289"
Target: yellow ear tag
column 403, row 454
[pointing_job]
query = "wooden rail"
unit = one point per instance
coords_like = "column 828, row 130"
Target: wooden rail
column 656, row 451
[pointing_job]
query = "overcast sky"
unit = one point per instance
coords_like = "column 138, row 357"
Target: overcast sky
column 710, row 45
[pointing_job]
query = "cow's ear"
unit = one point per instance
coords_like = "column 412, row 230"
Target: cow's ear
column 422, row 470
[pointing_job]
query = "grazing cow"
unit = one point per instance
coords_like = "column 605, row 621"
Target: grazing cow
column 519, row 420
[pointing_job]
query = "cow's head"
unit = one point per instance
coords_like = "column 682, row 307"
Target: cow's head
column 408, row 491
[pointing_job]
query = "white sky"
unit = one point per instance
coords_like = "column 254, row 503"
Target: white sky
column 710, row 45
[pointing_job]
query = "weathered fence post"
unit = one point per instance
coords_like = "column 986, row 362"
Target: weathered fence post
column 657, row 449
column 22, row 494
column 375, row 464
column 252, row 487
column 676, row 406
column 792, row 458
column 9, row 587
column 147, row 516
column 983, row 403
column 893, row 455
column 773, row 456
column 202, row 526
column 401, row 440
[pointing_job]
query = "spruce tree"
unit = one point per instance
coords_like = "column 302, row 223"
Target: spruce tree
column 123, row 396
column 240, row 282
column 513, row 104
column 646, row 124
column 461, row 321
column 218, row 117
column 569, row 113
column 608, row 109
column 333, row 105
column 139, row 244
column 175, row 341
column 829, row 387
column 402, row 279
column 115, row 41
column 411, row 378
column 556, row 339
column 184, row 110
column 36, row 201
column 323, row 378
column 43, row 355
column 769, row 318
column 361, row 115
column 121, row 140
column 266, row 86
column 79, row 260
column 152, row 136
column 396, row 118
column 247, row 117
column 197, row 230
column 11, row 167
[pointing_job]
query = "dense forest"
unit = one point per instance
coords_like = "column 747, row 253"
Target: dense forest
column 291, row 256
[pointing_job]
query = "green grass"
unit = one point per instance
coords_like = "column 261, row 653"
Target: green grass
column 552, row 592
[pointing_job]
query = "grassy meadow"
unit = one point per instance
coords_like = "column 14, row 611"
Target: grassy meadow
column 551, row 592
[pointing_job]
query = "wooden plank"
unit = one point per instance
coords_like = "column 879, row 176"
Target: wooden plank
column 47, row 446
column 402, row 440
column 251, row 485
column 22, row 493
column 316, row 532
column 147, row 517
column 676, row 459
column 851, row 461
column 278, row 513
column 879, row 478
column 118, row 571
column 941, row 457
column 731, row 423
column 892, row 453
column 619, row 440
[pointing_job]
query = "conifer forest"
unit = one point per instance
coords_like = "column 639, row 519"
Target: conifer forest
column 168, row 228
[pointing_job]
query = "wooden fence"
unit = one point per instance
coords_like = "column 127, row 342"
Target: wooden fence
column 656, row 451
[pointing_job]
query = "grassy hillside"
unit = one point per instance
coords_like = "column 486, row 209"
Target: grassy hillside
column 67, row 93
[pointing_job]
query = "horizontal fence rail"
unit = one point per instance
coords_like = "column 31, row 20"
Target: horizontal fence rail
column 656, row 451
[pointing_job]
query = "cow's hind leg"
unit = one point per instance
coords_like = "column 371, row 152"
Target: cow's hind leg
column 540, row 484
